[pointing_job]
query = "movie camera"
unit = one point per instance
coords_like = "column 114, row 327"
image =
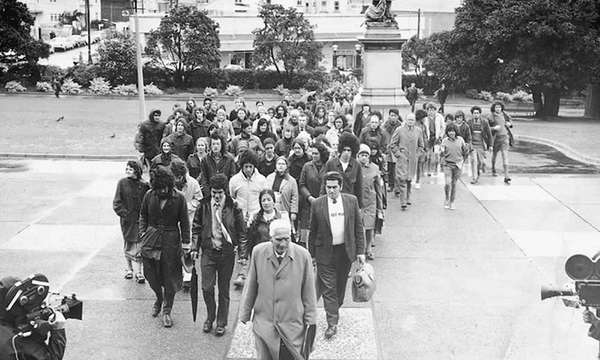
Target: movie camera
column 586, row 275
column 28, row 302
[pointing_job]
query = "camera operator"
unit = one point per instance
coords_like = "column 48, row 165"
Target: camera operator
column 591, row 318
column 33, row 346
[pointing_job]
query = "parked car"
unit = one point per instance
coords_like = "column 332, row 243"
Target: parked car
column 78, row 40
column 62, row 43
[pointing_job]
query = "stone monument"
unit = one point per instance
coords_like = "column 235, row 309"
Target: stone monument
column 382, row 63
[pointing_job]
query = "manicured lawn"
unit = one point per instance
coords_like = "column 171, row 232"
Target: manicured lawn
column 29, row 123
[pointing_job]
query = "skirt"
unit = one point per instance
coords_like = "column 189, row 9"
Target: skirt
column 132, row 251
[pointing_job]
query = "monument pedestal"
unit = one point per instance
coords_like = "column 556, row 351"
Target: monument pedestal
column 382, row 64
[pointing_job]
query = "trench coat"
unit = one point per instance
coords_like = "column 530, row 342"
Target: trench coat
column 163, row 227
column 286, row 302
column 287, row 200
column 407, row 145
column 372, row 195
column 310, row 182
column 127, row 203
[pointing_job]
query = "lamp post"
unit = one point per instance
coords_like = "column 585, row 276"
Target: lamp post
column 358, row 49
column 89, row 30
column 334, row 47
column 140, row 66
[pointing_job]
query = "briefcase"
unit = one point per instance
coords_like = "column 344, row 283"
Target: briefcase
column 363, row 283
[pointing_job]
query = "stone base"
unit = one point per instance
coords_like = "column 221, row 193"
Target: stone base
column 382, row 62
column 383, row 100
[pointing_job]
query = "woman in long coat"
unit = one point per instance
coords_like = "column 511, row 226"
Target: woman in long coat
column 372, row 195
column 406, row 145
column 258, row 231
column 310, row 185
column 126, row 204
column 285, row 188
column 164, row 212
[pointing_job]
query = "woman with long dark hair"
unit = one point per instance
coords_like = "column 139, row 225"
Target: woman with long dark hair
column 258, row 231
column 126, row 204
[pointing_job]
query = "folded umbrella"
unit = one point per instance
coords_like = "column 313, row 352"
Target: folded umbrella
column 194, row 292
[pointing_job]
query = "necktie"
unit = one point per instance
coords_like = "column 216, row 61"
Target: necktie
column 334, row 201
column 279, row 259
column 220, row 223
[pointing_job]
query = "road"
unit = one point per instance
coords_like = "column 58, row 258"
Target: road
column 460, row 284
column 65, row 59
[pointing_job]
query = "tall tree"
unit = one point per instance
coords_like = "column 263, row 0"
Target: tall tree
column 287, row 39
column 15, row 27
column 117, row 61
column 185, row 41
column 548, row 46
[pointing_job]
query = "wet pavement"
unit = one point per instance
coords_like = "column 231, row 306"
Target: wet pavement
column 534, row 158
column 458, row 284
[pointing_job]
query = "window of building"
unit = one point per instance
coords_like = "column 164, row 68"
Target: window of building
column 299, row 3
column 53, row 17
column 324, row 4
column 53, row 1
column 269, row 2
column 336, row 6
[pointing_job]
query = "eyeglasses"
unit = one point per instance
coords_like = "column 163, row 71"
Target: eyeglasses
column 281, row 238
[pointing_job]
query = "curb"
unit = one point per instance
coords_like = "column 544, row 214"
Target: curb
column 573, row 154
column 67, row 156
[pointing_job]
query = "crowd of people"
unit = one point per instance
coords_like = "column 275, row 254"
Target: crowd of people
column 310, row 178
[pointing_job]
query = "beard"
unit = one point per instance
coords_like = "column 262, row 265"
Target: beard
column 163, row 195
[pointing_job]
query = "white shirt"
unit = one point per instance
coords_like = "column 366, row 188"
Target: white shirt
column 336, row 218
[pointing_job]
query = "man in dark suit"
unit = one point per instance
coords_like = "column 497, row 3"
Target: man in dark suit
column 219, row 227
column 336, row 240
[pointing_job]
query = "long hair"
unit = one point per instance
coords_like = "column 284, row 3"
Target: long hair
column 253, row 228
column 162, row 178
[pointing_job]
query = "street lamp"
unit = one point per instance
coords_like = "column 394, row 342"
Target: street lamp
column 358, row 49
column 334, row 47
column 140, row 65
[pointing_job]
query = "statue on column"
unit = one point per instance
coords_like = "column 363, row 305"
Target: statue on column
column 379, row 11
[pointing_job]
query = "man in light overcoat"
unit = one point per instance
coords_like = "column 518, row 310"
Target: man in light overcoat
column 287, row 302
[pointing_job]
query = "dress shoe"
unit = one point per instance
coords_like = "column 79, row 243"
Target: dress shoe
column 156, row 308
column 220, row 331
column 167, row 321
column 507, row 180
column 207, row 327
column 331, row 330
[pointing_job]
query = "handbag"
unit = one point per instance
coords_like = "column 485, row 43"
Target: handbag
column 363, row 283
column 148, row 241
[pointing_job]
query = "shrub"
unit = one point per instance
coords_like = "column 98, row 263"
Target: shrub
column 14, row 86
column 99, row 86
column 44, row 86
column 233, row 90
column 83, row 74
column 71, row 87
column 506, row 97
column 126, row 90
column 486, row 95
column 522, row 96
column 472, row 94
column 210, row 92
column 51, row 71
column 282, row 90
column 152, row 89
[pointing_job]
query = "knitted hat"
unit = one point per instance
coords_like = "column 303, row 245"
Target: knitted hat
column 364, row 148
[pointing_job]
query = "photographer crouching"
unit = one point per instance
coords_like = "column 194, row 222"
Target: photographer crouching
column 28, row 329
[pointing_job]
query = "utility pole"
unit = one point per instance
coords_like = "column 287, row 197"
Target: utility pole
column 419, row 24
column 140, row 66
column 89, row 30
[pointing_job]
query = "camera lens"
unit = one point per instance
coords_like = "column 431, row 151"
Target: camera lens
column 41, row 290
